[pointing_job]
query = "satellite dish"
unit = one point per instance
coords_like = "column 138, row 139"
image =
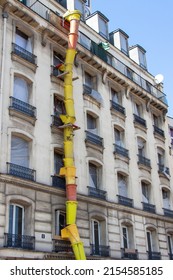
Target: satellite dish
column 158, row 79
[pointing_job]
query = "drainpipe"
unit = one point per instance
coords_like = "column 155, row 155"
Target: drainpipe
column 4, row 33
column 70, row 232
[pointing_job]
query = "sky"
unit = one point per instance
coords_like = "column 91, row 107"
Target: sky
column 149, row 24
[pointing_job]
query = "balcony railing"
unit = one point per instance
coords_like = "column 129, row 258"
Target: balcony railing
column 139, row 120
column 60, row 245
column 58, row 182
column 121, row 151
column 149, row 207
column 125, row 201
column 100, row 250
column 19, row 241
column 168, row 212
column 23, row 53
column 56, row 121
column 143, row 160
column 154, row 255
column 21, row 106
column 158, row 131
column 93, row 138
column 163, row 169
column 117, row 107
column 97, row 193
column 21, row 171
column 131, row 254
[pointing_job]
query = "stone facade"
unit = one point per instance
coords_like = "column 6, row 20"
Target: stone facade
column 122, row 149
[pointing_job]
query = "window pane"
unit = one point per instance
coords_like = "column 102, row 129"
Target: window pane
column 122, row 185
column 102, row 27
column 19, row 151
column 58, row 163
column 125, row 237
column 21, row 89
column 93, row 176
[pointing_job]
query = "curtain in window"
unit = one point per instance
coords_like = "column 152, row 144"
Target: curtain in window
column 19, row 151
column 21, row 89
column 145, row 193
column 141, row 146
column 122, row 186
column 166, row 202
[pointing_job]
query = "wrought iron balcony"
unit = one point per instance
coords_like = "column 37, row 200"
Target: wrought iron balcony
column 97, row 193
column 22, row 107
column 121, row 151
column 23, row 53
column 60, row 245
column 139, row 120
column 143, row 160
column 163, row 169
column 168, row 212
column 158, row 131
column 19, row 241
column 149, row 207
column 154, row 255
column 58, row 182
column 100, row 250
column 21, row 171
column 125, row 201
column 131, row 254
column 117, row 107
column 93, row 138
column 56, row 121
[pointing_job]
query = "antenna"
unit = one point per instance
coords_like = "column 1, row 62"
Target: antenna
column 158, row 79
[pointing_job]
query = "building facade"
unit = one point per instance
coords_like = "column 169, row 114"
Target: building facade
column 122, row 154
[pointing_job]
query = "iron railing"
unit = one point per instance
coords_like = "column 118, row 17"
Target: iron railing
column 139, row 120
column 23, row 53
column 117, row 107
column 130, row 254
column 100, row 250
column 158, row 131
column 149, row 207
column 125, row 201
column 121, row 151
column 143, row 160
column 21, row 106
column 154, row 255
column 168, row 212
column 101, row 194
column 19, row 241
column 93, row 138
column 60, row 245
column 163, row 169
column 58, row 182
column 21, row 171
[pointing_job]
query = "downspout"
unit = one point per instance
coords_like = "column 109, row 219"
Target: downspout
column 70, row 232
column 5, row 16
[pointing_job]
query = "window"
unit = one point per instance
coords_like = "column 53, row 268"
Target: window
column 129, row 73
column 60, row 221
column 170, row 245
column 19, row 151
column 89, row 80
column 96, row 235
column 63, row 3
column 137, row 110
column 58, row 163
column 141, row 147
column 23, row 41
column 94, row 176
column 119, row 137
column 16, row 219
column 79, row 6
column 103, row 30
column 124, row 44
column 166, row 199
column 92, row 124
column 85, row 41
column 59, row 107
column 115, row 96
column 151, row 241
column 161, row 159
column 21, row 89
column 142, row 59
column 145, row 192
column 122, row 185
column 171, row 133
column 125, row 237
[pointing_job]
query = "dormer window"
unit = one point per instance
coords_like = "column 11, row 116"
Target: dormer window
column 103, row 28
column 99, row 23
column 137, row 53
column 120, row 40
